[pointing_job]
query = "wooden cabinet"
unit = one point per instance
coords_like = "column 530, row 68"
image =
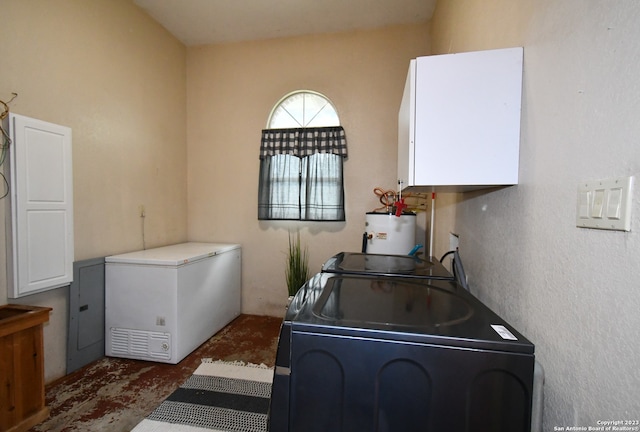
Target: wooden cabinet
column 22, row 403
column 459, row 121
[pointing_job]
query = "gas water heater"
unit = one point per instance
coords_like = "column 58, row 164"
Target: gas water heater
column 386, row 233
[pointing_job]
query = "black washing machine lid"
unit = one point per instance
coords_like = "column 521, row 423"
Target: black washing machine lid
column 410, row 310
column 386, row 265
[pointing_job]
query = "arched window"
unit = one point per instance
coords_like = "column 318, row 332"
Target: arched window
column 301, row 160
column 302, row 109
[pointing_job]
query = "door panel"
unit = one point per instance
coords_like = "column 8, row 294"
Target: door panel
column 86, row 314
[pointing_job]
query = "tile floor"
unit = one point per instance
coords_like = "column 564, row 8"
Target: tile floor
column 113, row 395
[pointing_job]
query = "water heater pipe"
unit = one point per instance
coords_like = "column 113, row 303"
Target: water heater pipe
column 433, row 218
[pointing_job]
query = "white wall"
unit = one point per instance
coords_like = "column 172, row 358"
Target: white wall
column 574, row 292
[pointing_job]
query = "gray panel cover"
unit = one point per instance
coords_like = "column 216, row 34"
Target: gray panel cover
column 86, row 314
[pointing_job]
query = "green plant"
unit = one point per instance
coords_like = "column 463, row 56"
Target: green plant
column 297, row 271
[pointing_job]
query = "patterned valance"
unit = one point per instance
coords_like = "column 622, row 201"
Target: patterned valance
column 303, row 142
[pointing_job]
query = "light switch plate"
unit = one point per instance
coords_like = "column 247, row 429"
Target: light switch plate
column 605, row 204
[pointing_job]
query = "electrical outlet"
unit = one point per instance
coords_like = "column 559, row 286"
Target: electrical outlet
column 142, row 210
column 605, row 204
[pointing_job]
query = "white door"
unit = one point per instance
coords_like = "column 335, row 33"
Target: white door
column 41, row 206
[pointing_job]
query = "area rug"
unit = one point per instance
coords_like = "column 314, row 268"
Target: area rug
column 219, row 396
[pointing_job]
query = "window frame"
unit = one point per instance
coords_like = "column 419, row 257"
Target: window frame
column 305, row 208
column 289, row 95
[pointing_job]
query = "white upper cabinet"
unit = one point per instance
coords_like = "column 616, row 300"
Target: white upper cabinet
column 40, row 233
column 459, row 121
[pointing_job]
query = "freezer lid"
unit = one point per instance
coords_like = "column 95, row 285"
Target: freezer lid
column 419, row 311
column 173, row 255
column 386, row 265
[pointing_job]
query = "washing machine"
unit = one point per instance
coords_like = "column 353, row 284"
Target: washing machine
column 389, row 353
column 370, row 264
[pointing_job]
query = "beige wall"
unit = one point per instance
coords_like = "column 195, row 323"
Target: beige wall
column 572, row 291
column 231, row 91
column 117, row 78
column 120, row 81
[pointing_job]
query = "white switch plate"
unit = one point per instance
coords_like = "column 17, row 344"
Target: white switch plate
column 605, row 204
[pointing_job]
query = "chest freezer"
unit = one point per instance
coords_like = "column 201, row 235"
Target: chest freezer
column 163, row 303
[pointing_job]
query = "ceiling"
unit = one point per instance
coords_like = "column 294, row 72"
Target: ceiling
column 201, row 22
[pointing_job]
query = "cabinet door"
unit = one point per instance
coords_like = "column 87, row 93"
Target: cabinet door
column 41, row 206
column 22, row 377
column 467, row 118
column 406, row 131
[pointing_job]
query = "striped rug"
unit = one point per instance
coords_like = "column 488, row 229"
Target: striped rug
column 219, row 396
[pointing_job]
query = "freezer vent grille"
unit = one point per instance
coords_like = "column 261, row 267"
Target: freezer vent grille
column 140, row 344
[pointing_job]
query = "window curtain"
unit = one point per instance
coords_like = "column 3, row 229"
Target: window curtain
column 301, row 176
